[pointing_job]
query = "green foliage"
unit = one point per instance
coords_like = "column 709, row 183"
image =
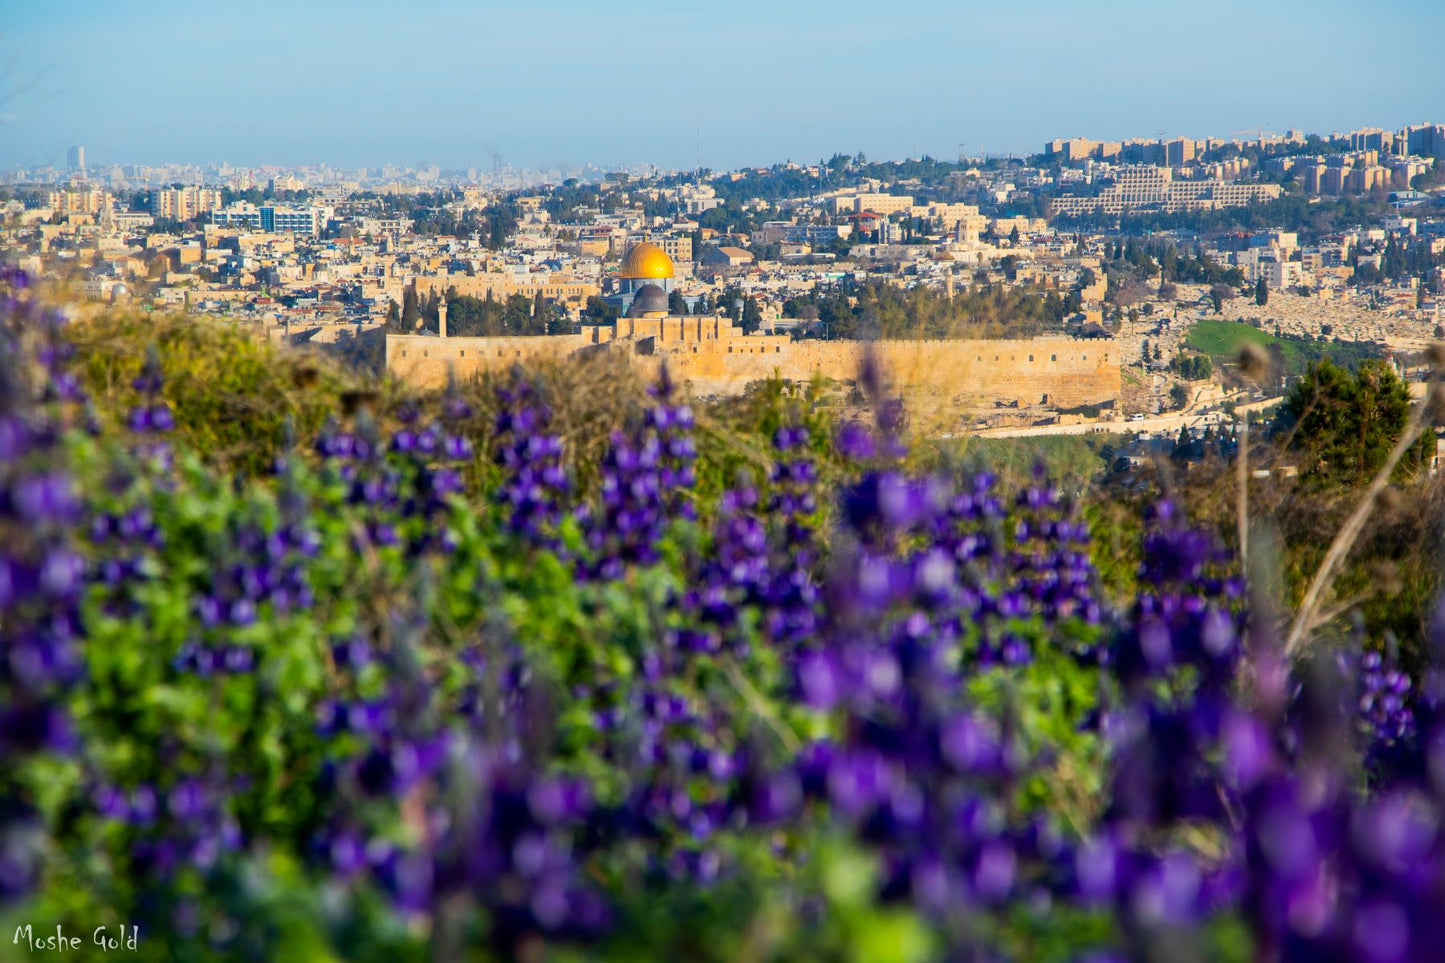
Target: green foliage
column 233, row 397
column 1192, row 367
column 600, row 312
column 517, row 316
column 676, row 304
column 410, row 310
column 1342, row 425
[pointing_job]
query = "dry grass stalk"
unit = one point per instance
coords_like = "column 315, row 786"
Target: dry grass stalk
column 1305, row 620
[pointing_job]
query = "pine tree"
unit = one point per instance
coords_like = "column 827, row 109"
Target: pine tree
column 1261, row 293
column 410, row 313
column 752, row 316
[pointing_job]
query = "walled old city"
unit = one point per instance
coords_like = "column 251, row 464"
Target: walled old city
column 1068, row 288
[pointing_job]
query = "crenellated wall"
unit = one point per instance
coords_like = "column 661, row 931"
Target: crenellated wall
column 424, row 361
column 1063, row 372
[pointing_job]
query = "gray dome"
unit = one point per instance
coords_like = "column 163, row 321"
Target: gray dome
column 648, row 299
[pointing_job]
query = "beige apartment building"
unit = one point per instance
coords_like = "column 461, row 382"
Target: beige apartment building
column 1154, row 188
column 1075, row 148
column 93, row 201
column 677, row 248
column 184, row 203
column 873, row 203
column 964, row 218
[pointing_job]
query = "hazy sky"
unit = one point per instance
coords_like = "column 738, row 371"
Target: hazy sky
column 566, row 82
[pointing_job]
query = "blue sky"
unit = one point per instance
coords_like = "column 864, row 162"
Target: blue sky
column 566, row 82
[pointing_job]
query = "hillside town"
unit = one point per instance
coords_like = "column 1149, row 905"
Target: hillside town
column 1333, row 239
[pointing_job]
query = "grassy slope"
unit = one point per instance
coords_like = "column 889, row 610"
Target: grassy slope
column 1222, row 340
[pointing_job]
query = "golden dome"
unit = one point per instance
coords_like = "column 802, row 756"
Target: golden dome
column 646, row 261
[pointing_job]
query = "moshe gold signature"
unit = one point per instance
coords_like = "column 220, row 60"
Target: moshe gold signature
column 122, row 938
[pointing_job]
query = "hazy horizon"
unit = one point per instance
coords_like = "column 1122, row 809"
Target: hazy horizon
column 561, row 84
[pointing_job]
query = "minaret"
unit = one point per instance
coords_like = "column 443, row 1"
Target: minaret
column 442, row 316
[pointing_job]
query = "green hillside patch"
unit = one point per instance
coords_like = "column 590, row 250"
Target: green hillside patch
column 1222, row 341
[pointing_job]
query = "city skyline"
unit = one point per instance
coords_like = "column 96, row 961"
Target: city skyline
column 453, row 85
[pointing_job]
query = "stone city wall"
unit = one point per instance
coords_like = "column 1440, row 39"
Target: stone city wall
column 424, row 360
column 1062, row 372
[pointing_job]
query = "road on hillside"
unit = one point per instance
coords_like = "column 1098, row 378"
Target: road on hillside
column 1159, row 423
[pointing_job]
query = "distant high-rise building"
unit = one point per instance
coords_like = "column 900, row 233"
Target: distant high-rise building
column 1426, row 140
column 1179, row 152
column 75, row 159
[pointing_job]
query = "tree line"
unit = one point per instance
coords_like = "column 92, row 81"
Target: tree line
column 485, row 317
column 879, row 310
